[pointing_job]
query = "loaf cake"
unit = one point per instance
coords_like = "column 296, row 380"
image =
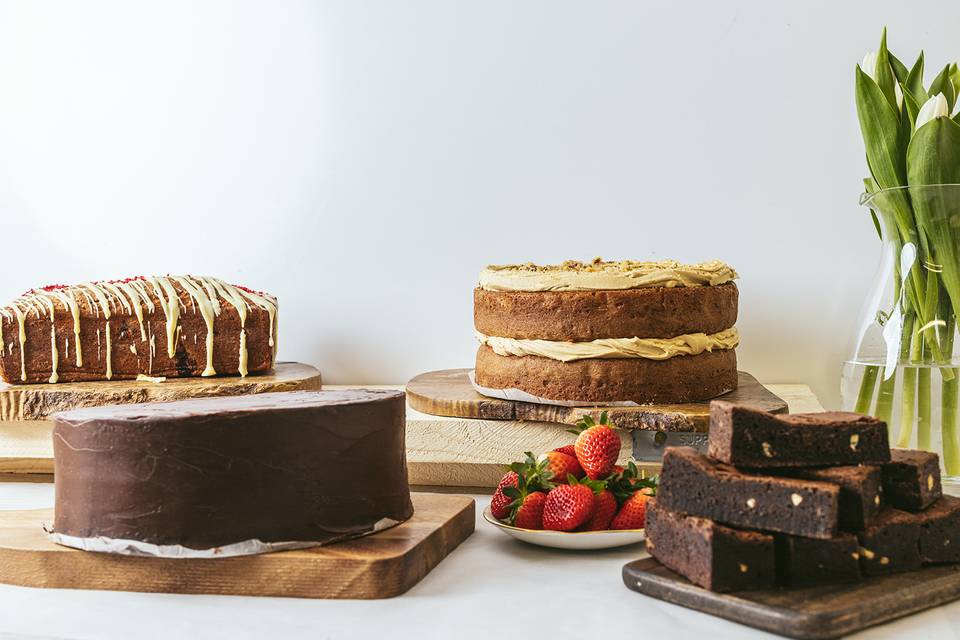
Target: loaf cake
column 641, row 332
column 711, row 555
column 692, row 483
column 911, row 480
column 154, row 326
column 752, row 438
column 230, row 475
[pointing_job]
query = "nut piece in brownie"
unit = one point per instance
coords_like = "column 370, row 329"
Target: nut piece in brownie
column 752, row 438
column 708, row 554
column 890, row 544
column 804, row 562
column 694, row 484
column 860, row 491
column 940, row 531
column 911, row 480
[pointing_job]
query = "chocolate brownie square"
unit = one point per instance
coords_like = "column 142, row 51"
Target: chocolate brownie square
column 708, row 554
column 860, row 491
column 694, row 484
column 940, row 531
column 911, row 480
column 890, row 544
column 750, row 438
column 804, row 562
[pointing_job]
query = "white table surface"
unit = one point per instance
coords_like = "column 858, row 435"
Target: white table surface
column 490, row 586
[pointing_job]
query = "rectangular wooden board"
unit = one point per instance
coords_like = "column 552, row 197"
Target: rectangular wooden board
column 813, row 613
column 382, row 565
column 441, row 450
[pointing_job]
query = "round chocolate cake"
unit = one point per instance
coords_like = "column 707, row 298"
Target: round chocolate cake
column 230, row 475
column 643, row 332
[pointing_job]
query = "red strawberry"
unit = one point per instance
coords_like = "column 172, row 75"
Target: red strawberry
column 633, row 513
column 568, row 506
column 567, row 449
column 603, row 513
column 560, row 465
column 500, row 502
column 597, row 446
column 529, row 513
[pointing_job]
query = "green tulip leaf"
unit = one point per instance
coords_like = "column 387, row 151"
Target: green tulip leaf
column 915, row 81
column 885, row 77
column 882, row 133
column 900, row 71
column 911, row 105
column 943, row 84
column 933, row 158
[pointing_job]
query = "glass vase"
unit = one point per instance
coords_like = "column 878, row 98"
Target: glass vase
column 904, row 366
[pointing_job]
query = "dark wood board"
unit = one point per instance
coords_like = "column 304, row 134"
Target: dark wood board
column 382, row 565
column 449, row 393
column 813, row 613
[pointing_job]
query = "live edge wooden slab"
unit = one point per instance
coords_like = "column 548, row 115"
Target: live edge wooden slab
column 382, row 565
column 25, row 445
column 813, row 613
column 449, row 393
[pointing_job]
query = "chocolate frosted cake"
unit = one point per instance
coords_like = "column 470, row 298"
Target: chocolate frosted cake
column 643, row 332
column 230, row 476
column 169, row 326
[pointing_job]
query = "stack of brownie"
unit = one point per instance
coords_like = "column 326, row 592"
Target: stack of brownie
column 798, row 500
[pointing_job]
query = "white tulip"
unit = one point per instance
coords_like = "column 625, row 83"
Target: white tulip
column 869, row 64
column 935, row 107
column 869, row 67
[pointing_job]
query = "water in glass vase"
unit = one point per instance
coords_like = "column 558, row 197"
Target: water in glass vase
column 918, row 405
column 904, row 363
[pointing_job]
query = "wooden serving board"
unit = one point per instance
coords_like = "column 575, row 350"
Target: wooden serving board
column 382, row 565
column 449, row 393
column 812, row 613
column 25, row 444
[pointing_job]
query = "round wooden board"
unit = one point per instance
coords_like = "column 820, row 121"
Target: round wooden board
column 381, row 565
column 449, row 393
column 37, row 401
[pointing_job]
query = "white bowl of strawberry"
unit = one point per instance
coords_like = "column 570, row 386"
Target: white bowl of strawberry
column 576, row 496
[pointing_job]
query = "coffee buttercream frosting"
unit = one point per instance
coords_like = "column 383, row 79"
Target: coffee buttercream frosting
column 650, row 348
column 598, row 274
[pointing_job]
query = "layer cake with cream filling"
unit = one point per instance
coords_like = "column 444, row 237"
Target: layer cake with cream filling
column 643, row 332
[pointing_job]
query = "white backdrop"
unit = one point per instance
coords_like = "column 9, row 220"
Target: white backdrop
column 363, row 160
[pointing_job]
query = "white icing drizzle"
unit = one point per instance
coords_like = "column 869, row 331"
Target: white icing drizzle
column 69, row 301
column 171, row 309
column 232, row 295
column 135, row 302
column 206, row 309
column 98, row 345
column 100, row 296
column 118, row 295
column 54, row 358
column 23, row 341
column 153, row 349
column 109, row 364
